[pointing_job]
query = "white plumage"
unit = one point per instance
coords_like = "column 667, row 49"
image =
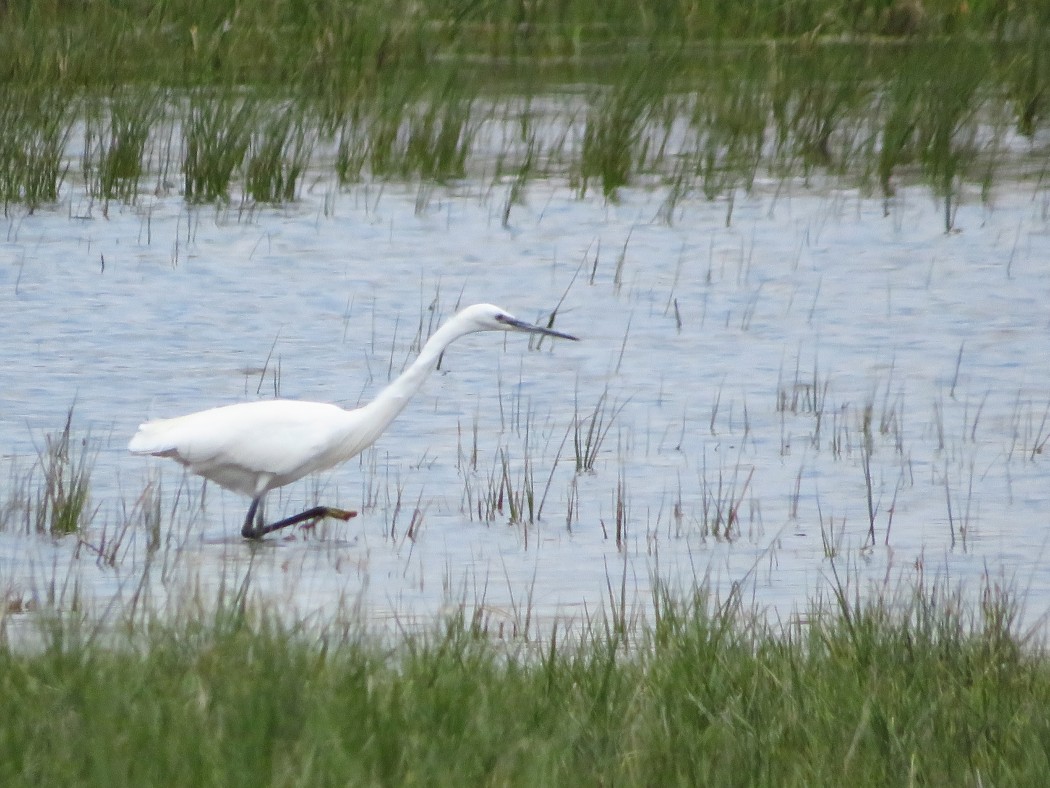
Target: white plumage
column 255, row 447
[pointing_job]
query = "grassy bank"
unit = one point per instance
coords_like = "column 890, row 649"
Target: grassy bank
column 702, row 98
column 918, row 687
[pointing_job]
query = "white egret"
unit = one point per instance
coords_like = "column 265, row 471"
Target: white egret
column 254, row 447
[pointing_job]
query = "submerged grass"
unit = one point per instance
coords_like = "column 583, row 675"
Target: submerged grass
column 918, row 686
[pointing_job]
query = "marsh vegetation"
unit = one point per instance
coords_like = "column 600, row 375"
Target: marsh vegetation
column 908, row 687
column 242, row 102
column 770, row 524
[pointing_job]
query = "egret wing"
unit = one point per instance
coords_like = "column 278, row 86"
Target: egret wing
column 274, row 437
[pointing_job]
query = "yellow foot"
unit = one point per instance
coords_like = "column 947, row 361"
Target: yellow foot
column 340, row 514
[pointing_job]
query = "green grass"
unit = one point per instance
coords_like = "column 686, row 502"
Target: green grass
column 34, row 127
column 915, row 683
column 217, row 137
column 699, row 97
column 331, row 46
column 277, row 158
column 116, row 135
column 53, row 496
column 919, row 686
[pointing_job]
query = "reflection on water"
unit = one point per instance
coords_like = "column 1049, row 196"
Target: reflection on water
column 768, row 395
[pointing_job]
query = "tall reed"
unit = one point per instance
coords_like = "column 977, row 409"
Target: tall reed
column 217, row 135
column 35, row 123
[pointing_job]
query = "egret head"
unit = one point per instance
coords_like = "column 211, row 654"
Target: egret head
column 486, row 317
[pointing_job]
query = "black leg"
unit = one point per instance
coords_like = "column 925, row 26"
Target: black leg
column 259, row 529
column 248, row 529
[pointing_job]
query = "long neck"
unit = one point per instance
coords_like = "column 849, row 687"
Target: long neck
column 392, row 400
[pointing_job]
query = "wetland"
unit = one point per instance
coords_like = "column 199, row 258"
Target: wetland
column 800, row 444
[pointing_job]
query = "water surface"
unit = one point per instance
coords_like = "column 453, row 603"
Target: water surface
column 739, row 364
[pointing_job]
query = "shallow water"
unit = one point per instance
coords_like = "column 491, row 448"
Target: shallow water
column 737, row 364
